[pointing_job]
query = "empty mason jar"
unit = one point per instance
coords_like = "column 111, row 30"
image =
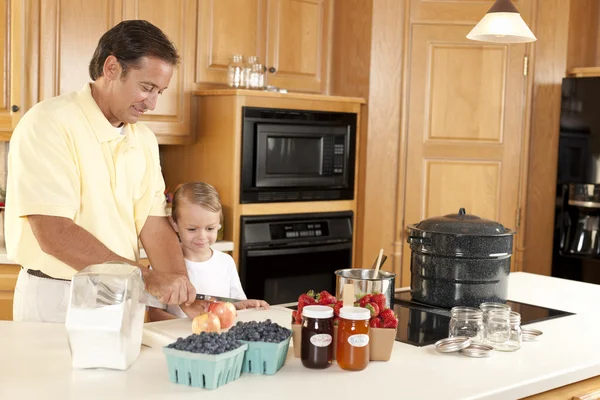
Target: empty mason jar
column 248, row 67
column 466, row 321
column 503, row 330
column 487, row 307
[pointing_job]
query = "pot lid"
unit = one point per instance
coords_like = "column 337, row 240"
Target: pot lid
column 461, row 223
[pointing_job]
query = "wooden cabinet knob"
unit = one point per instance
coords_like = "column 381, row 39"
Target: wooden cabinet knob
column 15, row 108
column 272, row 70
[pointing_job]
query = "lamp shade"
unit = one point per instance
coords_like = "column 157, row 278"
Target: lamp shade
column 502, row 24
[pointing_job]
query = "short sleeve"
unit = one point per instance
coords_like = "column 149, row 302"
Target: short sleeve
column 159, row 202
column 43, row 170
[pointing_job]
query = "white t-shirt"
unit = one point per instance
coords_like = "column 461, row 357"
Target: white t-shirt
column 216, row 277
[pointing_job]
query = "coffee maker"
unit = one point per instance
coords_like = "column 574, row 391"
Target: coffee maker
column 581, row 220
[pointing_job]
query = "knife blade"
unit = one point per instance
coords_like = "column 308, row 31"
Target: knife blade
column 152, row 301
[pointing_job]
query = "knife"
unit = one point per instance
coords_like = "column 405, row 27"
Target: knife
column 152, row 301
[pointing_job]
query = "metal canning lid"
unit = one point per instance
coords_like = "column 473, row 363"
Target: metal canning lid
column 317, row 312
column 355, row 313
column 452, row 344
column 477, row 350
column 531, row 335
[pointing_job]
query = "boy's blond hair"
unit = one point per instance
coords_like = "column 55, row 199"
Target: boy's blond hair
column 197, row 193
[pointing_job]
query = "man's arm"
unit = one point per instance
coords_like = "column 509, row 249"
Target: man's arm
column 70, row 243
column 64, row 239
column 162, row 246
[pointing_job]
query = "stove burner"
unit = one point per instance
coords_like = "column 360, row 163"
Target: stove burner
column 422, row 324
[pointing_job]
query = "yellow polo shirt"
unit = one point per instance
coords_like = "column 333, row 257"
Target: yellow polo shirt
column 65, row 159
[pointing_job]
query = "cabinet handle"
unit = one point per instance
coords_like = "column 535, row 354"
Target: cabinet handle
column 15, row 108
column 272, row 70
column 588, row 396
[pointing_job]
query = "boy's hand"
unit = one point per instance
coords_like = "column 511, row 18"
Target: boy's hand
column 244, row 304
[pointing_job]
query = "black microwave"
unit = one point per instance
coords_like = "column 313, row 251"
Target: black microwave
column 297, row 155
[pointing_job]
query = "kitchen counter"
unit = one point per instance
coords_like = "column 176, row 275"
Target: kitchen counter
column 221, row 245
column 36, row 362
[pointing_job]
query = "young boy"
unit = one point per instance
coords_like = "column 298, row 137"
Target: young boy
column 196, row 217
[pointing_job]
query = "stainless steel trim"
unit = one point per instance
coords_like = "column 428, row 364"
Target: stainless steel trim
column 587, row 204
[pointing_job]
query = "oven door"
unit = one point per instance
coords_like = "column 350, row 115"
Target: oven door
column 280, row 275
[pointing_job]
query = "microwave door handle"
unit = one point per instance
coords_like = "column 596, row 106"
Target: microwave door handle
column 298, row 250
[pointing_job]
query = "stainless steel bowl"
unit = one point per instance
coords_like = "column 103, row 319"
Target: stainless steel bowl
column 365, row 281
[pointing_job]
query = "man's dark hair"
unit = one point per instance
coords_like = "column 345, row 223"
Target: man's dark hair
column 129, row 41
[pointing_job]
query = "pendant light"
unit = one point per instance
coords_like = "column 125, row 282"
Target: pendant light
column 502, row 24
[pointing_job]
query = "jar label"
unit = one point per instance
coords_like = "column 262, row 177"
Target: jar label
column 358, row 340
column 321, row 340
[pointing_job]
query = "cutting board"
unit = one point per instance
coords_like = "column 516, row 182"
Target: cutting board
column 161, row 333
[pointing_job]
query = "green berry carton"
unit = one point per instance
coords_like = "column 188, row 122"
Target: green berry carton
column 204, row 370
column 265, row 358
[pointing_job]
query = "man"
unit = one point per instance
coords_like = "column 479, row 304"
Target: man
column 85, row 183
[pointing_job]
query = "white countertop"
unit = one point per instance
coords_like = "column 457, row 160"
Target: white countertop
column 222, row 245
column 36, row 363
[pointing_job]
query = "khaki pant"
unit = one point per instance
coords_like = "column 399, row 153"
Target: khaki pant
column 40, row 299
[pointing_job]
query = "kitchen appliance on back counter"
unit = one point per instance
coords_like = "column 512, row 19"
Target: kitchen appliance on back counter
column 576, row 247
column 297, row 155
column 284, row 255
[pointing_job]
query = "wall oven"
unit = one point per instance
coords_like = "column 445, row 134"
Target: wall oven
column 297, row 155
column 282, row 256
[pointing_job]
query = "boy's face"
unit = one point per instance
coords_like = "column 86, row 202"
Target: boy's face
column 197, row 227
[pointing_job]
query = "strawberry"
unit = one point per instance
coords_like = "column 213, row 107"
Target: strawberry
column 388, row 313
column 373, row 308
column 336, row 321
column 380, row 300
column 325, row 298
column 390, row 323
column 375, row 322
column 305, row 299
column 336, row 308
column 366, row 299
column 294, row 317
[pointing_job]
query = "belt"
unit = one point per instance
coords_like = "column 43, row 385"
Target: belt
column 40, row 274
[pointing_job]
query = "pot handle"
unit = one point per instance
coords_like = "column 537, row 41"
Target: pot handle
column 418, row 240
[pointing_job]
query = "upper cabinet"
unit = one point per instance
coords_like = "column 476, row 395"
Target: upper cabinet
column 10, row 65
column 292, row 39
column 171, row 119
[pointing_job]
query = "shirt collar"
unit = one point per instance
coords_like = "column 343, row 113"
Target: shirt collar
column 103, row 130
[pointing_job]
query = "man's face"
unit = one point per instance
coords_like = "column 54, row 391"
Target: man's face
column 138, row 92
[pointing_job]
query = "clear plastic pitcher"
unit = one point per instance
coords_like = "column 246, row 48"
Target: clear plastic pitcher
column 105, row 317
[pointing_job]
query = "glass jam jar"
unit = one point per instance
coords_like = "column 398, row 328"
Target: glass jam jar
column 503, row 330
column 317, row 337
column 353, row 338
column 466, row 321
column 487, row 307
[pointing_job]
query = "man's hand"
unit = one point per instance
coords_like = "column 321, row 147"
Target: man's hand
column 196, row 308
column 244, row 304
column 169, row 288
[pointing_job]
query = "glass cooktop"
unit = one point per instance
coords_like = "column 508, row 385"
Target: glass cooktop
column 422, row 324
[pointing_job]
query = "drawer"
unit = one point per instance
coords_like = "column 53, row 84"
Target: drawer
column 8, row 276
column 6, row 305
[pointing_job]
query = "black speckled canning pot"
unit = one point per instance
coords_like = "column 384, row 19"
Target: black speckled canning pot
column 459, row 260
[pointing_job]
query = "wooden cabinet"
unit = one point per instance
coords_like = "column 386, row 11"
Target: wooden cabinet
column 588, row 389
column 8, row 279
column 68, row 31
column 11, row 39
column 292, row 39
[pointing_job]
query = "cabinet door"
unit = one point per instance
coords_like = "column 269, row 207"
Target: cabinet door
column 298, row 43
column 10, row 65
column 465, row 124
column 67, row 33
column 228, row 27
column 170, row 120
column 8, row 279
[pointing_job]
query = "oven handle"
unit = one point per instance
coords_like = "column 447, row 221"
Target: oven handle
column 298, row 250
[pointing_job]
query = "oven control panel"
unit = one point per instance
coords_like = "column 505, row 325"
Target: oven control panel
column 299, row 230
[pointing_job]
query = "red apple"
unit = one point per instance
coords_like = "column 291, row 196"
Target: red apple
column 225, row 311
column 206, row 322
